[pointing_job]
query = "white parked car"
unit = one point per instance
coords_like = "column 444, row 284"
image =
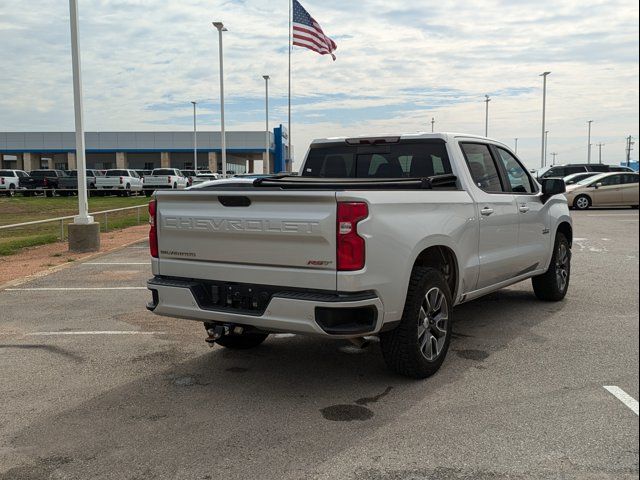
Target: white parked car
column 164, row 178
column 10, row 181
column 123, row 182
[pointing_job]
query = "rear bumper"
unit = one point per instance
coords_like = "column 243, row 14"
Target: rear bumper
column 329, row 314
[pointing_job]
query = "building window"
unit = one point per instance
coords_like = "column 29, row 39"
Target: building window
column 61, row 166
column 187, row 166
column 149, row 165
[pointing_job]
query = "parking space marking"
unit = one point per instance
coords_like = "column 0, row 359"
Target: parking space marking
column 70, row 289
column 624, row 397
column 96, row 332
column 612, row 215
column 116, row 263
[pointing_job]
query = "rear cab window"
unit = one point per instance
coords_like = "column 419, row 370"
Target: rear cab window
column 117, row 173
column 163, row 171
column 408, row 159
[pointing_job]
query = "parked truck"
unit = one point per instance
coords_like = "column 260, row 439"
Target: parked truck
column 376, row 236
column 163, row 178
column 10, row 181
column 69, row 185
column 124, row 182
column 43, row 180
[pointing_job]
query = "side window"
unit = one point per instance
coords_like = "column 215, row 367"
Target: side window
column 611, row 180
column 482, row 167
column 629, row 178
column 517, row 175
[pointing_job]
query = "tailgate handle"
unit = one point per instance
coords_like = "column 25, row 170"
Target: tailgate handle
column 234, row 201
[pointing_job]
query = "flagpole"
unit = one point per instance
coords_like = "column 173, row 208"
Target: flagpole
column 289, row 119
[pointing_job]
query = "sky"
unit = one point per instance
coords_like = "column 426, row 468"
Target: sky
column 399, row 64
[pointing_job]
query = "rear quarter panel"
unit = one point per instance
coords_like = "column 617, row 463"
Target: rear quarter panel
column 402, row 224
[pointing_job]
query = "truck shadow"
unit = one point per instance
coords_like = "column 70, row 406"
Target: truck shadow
column 260, row 410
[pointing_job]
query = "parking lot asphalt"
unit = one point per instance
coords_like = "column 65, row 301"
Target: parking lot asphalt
column 94, row 386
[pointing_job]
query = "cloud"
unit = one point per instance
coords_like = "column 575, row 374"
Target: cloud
column 398, row 66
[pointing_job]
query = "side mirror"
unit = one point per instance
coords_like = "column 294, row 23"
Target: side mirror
column 598, row 185
column 551, row 187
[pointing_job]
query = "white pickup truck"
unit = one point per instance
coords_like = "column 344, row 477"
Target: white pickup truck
column 377, row 236
column 123, row 182
column 10, row 181
column 165, row 178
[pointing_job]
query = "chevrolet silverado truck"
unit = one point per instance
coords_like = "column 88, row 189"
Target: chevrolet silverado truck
column 69, row 185
column 10, row 181
column 123, row 182
column 42, row 180
column 376, row 236
column 164, row 178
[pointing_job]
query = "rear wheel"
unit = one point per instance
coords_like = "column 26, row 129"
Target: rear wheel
column 12, row 191
column 552, row 285
column 148, row 192
column 582, row 202
column 419, row 344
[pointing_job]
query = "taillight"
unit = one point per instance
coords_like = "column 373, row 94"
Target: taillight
column 2, row 180
column 46, row 182
column 121, row 180
column 153, row 233
column 350, row 247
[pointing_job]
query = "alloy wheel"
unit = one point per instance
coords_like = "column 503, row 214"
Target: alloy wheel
column 432, row 324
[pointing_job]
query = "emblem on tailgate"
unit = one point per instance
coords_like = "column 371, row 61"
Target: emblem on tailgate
column 239, row 225
column 319, row 263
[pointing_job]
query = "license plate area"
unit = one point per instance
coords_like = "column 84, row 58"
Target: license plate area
column 242, row 298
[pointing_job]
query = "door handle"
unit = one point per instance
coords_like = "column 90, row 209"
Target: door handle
column 486, row 211
column 523, row 208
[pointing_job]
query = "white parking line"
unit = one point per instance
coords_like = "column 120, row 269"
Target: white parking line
column 612, row 215
column 116, row 263
column 70, row 289
column 97, row 332
column 624, row 397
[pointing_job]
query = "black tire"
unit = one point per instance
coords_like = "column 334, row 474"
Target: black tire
column 401, row 347
column 12, row 191
column 549, row 286
column 582, row 202
column 175, row 186
column 148, row 192
column 242, row 342
column 48, row 193
column 91, row 190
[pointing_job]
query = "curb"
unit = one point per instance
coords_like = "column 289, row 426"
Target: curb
column 44, row 273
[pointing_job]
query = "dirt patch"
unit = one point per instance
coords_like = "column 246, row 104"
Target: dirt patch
column 31, row 261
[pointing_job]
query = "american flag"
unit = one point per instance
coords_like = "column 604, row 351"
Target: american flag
column 307, row 32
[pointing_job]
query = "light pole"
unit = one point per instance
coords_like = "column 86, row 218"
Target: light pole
column 83, row 217
column 433, row 122
column 516, row 147
column 195, row 139
column 553, row 154
column 267, row 144
column 544, row 112
column 600, row 145
column 589, row 142
column 486, row 115
column 223, row 139
column 546, row 143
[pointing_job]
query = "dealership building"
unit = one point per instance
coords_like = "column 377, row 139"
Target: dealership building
column 146, row 150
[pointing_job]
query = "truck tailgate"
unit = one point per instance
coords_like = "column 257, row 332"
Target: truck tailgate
column 249, row 230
